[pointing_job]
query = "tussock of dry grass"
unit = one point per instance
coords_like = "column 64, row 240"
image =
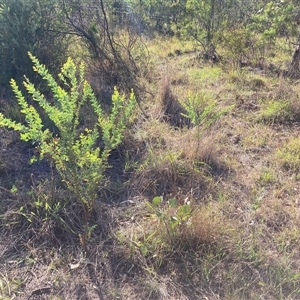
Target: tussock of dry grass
column 171, row 109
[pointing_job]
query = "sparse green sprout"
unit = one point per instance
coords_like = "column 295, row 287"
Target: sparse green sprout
column 14, row 189
column 267, row 177
column 170, row 216
column 203, row 112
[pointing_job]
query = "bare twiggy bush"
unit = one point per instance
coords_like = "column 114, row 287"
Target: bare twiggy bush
column 115, row 53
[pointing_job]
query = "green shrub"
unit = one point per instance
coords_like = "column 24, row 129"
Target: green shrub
column 235, row 42
column 74, row 151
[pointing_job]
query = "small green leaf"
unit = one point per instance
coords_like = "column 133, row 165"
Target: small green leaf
column 14, row 189
column 184, row 211
column 173, row 202
column 157, row 200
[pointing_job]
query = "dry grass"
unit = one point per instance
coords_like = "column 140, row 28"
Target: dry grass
column 240, row 236
column 171, row 109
